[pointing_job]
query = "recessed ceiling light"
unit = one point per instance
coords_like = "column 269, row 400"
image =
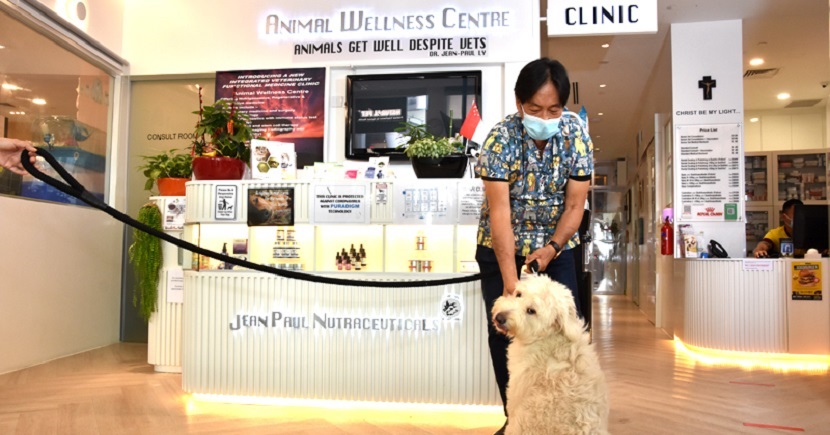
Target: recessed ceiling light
column 606, row 45
column 756, row 61
column 602, row 85
column 38, row 101
column 600, row 113
column 753, row 119
column 2, row 47
column 783, row 96
column 11, row 87
column 17, row 113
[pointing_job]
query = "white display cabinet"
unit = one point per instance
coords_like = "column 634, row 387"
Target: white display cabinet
column 346, row 340
column 801, row 175
column 758, row 174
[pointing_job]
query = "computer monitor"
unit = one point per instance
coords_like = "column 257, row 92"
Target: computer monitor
column 377, row 105
column 810, row 229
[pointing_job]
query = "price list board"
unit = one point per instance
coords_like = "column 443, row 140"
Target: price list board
column 709, row 172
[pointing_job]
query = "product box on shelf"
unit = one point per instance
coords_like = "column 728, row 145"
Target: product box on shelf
column 273, row 160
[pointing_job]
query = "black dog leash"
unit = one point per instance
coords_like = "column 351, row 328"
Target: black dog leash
column 73, row 188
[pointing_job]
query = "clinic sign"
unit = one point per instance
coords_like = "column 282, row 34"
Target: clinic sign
column 601, row 17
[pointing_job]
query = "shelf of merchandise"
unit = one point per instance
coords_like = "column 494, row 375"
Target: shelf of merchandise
column 757, row 173
column 801, row 175
column 388, row 247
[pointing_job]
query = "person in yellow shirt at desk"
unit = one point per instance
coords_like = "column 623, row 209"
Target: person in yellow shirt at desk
column 770, row 245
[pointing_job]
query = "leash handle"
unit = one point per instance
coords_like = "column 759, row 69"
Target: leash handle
column 534, row 267
column 72, row 187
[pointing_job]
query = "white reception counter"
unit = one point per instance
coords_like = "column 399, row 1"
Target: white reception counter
column 257, row 335
column 748, row 306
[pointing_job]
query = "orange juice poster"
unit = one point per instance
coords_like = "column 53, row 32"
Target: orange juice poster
column 806, row 281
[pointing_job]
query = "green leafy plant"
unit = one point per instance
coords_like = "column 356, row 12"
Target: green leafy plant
column 422, row 143
column 145, row 255
column 227, row 128
column 168, row 164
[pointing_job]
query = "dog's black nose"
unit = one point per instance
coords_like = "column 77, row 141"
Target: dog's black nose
column 501, row 319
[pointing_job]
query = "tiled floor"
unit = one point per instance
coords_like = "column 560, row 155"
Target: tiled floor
column 654, row 388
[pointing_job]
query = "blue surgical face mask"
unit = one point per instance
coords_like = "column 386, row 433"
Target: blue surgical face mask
column 538, row 128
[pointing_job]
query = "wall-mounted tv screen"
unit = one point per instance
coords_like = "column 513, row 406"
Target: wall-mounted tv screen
column 377, row 105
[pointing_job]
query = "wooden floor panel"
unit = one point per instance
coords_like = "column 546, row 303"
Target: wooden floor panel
column 654, row 389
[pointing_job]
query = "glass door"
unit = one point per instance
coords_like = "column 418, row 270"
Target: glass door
column 607, row 249
column 757, row 175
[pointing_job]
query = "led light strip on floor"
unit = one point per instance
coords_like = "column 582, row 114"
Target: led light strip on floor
column 785, row 363
column 459, row 416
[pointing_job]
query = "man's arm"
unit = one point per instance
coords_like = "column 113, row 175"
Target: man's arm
column 762, row 249
column 501, row 231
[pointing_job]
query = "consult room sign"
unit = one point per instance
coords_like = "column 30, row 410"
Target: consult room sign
column 601, row 17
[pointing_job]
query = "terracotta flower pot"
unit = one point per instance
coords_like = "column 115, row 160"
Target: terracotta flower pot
column 218, row 168
column 452, row 166
column 172, row 186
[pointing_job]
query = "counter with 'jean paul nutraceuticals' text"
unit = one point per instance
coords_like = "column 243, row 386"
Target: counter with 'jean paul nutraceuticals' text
column 258, row 335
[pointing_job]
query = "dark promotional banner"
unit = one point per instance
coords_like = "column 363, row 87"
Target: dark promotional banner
column 285, row 105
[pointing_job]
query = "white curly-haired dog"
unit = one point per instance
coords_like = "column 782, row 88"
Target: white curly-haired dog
column 556, row 385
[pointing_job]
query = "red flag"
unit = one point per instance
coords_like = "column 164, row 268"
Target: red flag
column 468, row 128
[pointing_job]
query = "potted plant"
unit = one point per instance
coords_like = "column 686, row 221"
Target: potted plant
column 225, row 154
column 431, row 156
column 145, row 255
column 169, row 170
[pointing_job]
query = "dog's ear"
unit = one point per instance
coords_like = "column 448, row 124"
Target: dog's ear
column 572, row 329
column 567, row 322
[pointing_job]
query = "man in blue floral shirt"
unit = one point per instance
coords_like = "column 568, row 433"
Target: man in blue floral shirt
column 536, row 166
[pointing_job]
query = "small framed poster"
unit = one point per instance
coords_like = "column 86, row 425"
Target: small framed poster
column 173, row 214
column 273, row 206
column 340, row 203
column 225, row 203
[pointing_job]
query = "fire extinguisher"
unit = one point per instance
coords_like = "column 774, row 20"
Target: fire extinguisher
column 667, row 238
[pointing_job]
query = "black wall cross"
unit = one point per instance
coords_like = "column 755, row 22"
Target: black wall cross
column 707, row 84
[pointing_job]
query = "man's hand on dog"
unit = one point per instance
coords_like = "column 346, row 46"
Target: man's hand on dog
column 509, row 287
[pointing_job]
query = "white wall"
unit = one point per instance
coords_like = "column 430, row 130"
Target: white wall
column 102, row 20
column 714, row 49
column 61, row 269
column 645, row 270
column 785, row 129
column 194, row 36
column 244, row 47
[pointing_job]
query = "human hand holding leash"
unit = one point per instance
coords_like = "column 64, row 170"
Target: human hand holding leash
column 10, row 151
column 542, row 257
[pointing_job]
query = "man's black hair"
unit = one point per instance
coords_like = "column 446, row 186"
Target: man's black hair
column 790, row 204
column 535, row 74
